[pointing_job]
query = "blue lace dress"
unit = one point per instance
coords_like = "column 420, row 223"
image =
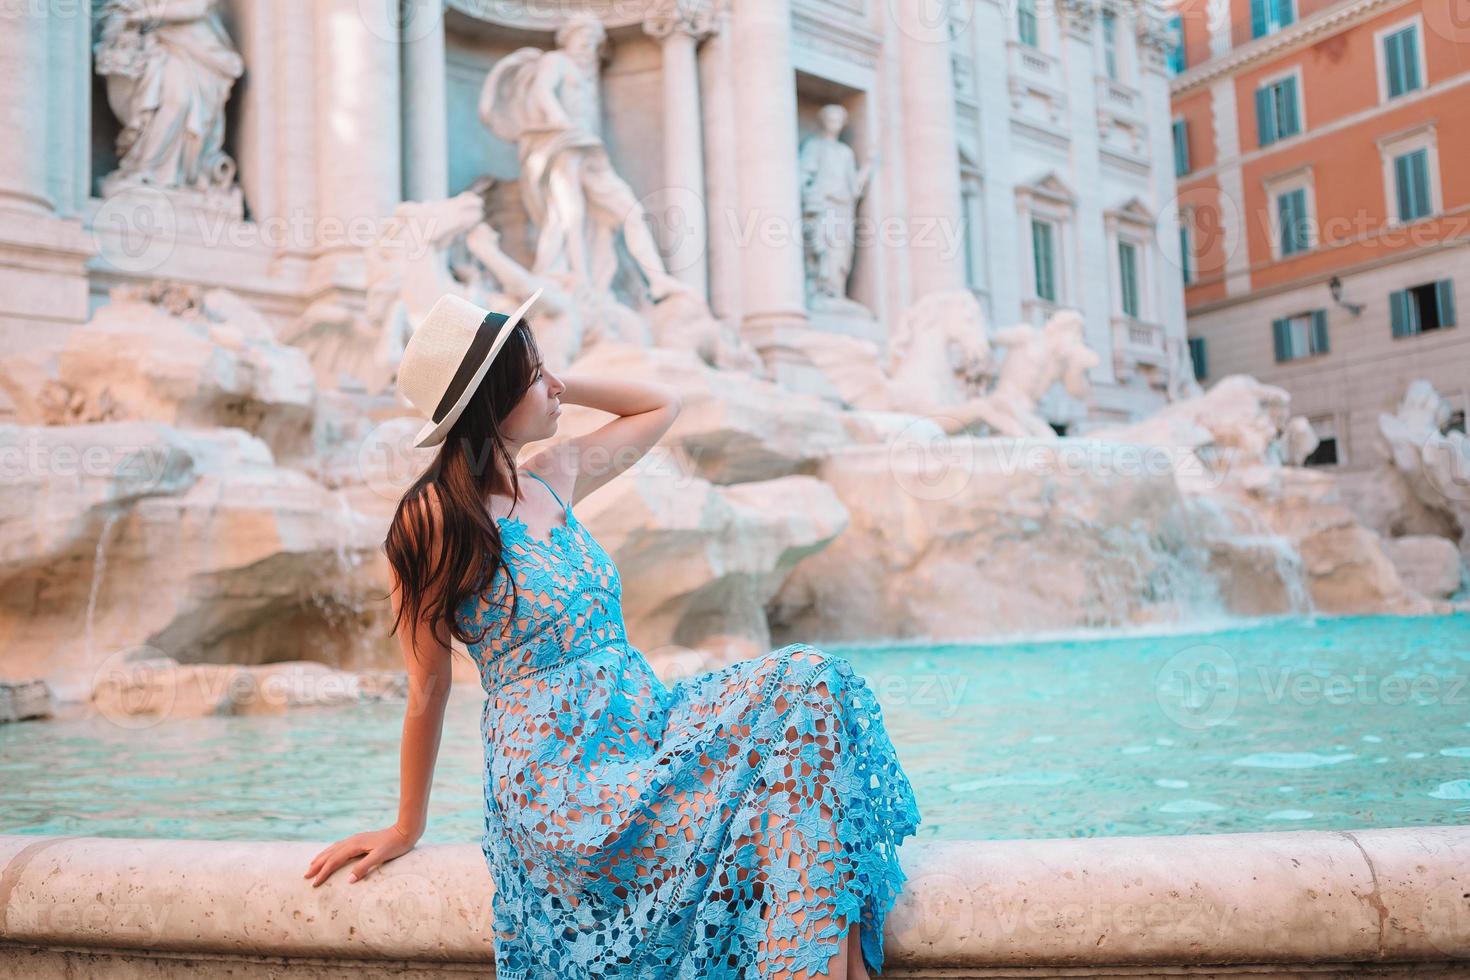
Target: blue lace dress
column 622, row 815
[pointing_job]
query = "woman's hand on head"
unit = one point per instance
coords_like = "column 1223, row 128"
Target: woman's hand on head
column 368, row 849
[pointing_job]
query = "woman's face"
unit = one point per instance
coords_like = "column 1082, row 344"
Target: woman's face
column 535, row 415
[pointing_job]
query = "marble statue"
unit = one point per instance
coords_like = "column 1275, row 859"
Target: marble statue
column 1298, row 441
column 169, row 66
column 406, row 271
column 1035, row 360
column 547, row 104
column 1434, row 460
column 832, row 184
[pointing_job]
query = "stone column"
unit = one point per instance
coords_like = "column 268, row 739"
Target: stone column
column 1091, row 276
column 24, row 45
column 425, row 113
column 931, row 156
column 680, row 208
column 720, row 176
column 1007, row 264
column 768, row 219
column 1154, row 42
column 359, row 162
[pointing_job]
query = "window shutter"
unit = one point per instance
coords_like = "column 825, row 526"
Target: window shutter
column 1444, row 294
column 1393, row 55
column 1181, row 147
column 1289, row 122
column 1265, row 118
column 1404, row 188
column 1185, row 258
column 1282, row 340
column 1409, row 58
column 1258, row 18
column 1319, row 331
column 1399, row 313
column 1198, row 357
column 1419, row 178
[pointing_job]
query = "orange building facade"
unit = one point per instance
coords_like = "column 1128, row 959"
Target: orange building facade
column 1322, row 149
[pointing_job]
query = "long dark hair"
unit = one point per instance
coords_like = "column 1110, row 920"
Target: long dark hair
column 466, row 470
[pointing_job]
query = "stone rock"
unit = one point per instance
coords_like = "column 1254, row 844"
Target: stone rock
column 699, row 562
column 1429, row 565
column 20, row 700
column 117, row 537
column 1435, row 463
column 734, row 428
column 200, row 361
column 1005, row 536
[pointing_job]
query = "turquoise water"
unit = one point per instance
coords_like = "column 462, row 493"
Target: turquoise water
column 1332, row 723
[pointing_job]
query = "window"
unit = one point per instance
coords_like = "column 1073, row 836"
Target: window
column 1326, row 452
column 1128, row 277
column 1110, row 42
column 1186, row 254
column 1293, row 222
column 1430, row 306
column 1411, row 177
column 1302, row 335
column 1401, row 61
column 1044, row 255
column 1181, row 147
column 1176, row 50
column 1197, row 358
column 1026, row 23
column 1411, row 183
column 1277, row 111
column 1268, row 16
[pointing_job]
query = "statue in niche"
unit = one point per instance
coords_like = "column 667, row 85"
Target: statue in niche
column 169, row 66
column 832, row 185
column 547, row 103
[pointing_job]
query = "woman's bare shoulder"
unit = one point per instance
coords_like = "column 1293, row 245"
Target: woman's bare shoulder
column 554, row 465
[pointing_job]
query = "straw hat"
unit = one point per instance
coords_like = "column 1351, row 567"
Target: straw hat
column 447, row 357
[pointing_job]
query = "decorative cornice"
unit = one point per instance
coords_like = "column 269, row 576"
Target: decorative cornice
column 1297, row 35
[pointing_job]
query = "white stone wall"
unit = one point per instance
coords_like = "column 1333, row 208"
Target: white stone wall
column 337, row 118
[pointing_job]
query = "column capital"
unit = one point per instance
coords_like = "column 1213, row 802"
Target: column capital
column 1155, row 40
column 696, row 19
column 1078, row 17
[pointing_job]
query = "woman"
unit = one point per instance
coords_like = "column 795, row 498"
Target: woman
column 742, row 823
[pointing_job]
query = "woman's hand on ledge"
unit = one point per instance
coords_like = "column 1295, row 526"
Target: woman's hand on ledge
column 374, row 847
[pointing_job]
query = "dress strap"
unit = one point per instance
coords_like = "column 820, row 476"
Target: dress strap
column 553, row 492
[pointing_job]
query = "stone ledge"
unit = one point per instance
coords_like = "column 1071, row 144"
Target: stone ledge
column 1365, row 903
